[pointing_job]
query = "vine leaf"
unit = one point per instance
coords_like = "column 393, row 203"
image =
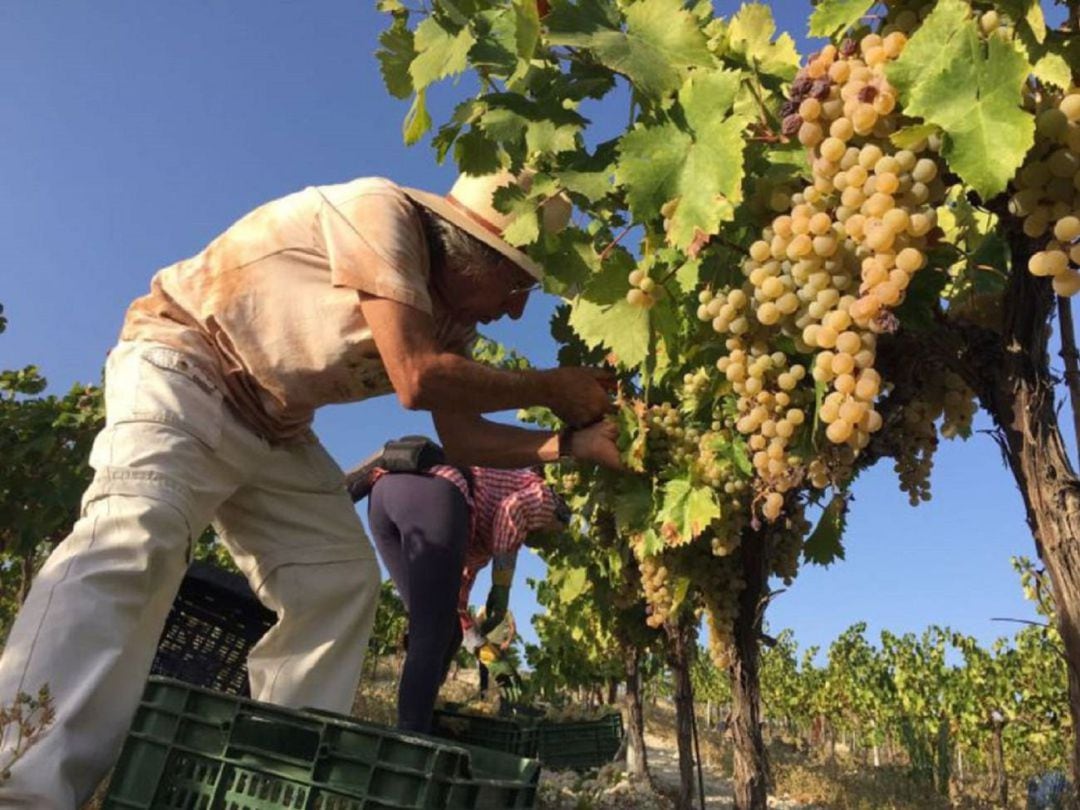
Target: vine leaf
column 573, row 584
column 750, row 35
column 660, row 41
column 633, row 503
column 601, row 315
column 971, row 89
column 417, row 120
column 440, row 52
column 395, row 56
column 699, row 169
column 632, row 435
column 686, row 512
column 824, row 546
column 832, row 17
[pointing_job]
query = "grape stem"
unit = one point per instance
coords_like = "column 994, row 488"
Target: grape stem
column 1071, row 358
column 604, row 253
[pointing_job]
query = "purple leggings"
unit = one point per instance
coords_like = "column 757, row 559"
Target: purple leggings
column 420, row 525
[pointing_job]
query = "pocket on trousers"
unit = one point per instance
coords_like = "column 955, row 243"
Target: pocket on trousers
column 159, row 384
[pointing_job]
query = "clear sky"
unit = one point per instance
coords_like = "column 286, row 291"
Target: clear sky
column 131, row 133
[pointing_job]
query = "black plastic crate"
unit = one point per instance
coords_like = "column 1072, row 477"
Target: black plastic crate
column 193, row 749
column 514, row 735
column 579, row 745
column 213, row 624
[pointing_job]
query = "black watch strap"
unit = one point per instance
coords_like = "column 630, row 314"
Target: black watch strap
column 565, row 435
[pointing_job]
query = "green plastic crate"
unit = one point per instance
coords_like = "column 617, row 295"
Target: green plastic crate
column 193, row 749
column 513, row 735
column 579, row 745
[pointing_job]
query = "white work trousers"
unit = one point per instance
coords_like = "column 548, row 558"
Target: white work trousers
column 171, row 459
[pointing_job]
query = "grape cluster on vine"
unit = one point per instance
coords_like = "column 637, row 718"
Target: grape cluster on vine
column 1047, row 197
column 828, row 272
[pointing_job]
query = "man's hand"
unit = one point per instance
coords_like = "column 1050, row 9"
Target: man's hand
column 580, row 396
column 596, row 443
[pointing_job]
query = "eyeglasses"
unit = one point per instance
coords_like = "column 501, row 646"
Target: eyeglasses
column 530, row 288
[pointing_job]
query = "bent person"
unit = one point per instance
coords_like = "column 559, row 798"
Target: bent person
column 332, row 294
column 435, row 530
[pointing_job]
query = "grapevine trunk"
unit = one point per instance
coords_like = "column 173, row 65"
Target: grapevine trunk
column 637, row 763
column 1021, row 401
column 751, row 761
column 680, row 649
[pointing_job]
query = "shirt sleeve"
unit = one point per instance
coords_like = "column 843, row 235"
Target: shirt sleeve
column 527, row 510
column 374, row 242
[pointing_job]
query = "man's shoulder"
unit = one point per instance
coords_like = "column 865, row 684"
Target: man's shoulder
column 360, row 187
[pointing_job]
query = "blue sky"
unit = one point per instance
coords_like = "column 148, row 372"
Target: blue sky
column 132, row 133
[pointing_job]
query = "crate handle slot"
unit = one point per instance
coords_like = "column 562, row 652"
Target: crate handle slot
column 291, row 741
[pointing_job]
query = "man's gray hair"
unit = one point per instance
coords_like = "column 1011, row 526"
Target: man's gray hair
column 449, row 245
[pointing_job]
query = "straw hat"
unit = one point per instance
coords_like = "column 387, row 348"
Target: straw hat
column 469, row 205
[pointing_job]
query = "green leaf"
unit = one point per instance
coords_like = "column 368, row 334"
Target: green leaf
column 750, row 34
column 496, row 44
column 632, row 435
column 661, row 40
column 619, row 327
column 651, row 543
column 601, row 315
column 700, row 168
column 688, row 275
column 476, row 154
column 573, row 584
column 910, row 136
column 679, row 591
column 824, row 546
column 950, row 77
column 633, row 503
column 417, row 121
column 916, row 312
column 527, row 33
column 930, row 50
column 832, row 17
column 687, row 511
column 395, row 56
column 440, row 52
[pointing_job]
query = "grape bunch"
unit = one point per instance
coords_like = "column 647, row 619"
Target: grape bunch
column 654, row 584
column 722, row 584
column 785, row 543
column 644, row 291
column 670, row 443
column 771, row 410
column 828, row 272
column 696, row 385
column 1047, row 195
column 942, row 395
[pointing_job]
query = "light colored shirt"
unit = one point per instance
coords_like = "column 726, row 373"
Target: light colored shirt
column 271, row 307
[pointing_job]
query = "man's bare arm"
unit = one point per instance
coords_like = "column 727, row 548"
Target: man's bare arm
column 469, row 439
column 425, row 377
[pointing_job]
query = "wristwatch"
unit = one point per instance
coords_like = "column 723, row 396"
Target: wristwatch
column 565, row 435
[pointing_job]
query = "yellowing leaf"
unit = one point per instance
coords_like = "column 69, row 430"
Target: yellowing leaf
column 686, row 512
column 832, row 17
column 750, row 35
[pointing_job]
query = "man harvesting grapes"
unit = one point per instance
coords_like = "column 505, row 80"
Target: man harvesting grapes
column 332, row 294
